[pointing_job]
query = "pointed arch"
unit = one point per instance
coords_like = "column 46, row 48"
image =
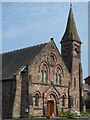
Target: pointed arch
column 63, row 100
column 44, row 71
column 52, row 59
column 37, row 99
column 38, row 93
column 54, row 95
column 61, row 69
column 37, row 96
column 58, row 74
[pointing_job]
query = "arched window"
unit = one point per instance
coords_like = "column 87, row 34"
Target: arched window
column 51, row 59
column 63, row 100
column 71, row 101
column 37, row 99
column 58, row 76
column 45, row 77
column 43, row 73
column 77, row 103
column 74, row 82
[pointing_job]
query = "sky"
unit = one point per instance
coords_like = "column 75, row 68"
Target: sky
column 30, row 23
column 88, row 38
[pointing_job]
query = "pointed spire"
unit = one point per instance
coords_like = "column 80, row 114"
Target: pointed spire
column 71, row 31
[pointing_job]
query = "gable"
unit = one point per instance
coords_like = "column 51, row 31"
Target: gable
column 13, row 61
column 43, row 61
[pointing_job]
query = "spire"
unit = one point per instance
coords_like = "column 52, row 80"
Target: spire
column 71, row 31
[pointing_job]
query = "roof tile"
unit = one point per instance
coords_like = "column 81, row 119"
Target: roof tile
column 14, row 60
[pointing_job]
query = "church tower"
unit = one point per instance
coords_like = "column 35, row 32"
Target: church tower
column 70, row 43
column 71, row 55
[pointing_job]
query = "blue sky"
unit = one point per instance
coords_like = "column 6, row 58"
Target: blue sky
column 29, row 23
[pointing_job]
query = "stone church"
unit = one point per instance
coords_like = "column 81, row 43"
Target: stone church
column 39, row 80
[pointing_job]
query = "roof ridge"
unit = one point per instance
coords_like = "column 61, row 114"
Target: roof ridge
column 13, row 51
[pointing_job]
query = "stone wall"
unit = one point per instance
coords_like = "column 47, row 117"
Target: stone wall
column 30, row 84
column 8, row 94
column 36, row 86
column 17, row 100
column 24, row 95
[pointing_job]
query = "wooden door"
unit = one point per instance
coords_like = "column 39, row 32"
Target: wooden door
column 50, row 105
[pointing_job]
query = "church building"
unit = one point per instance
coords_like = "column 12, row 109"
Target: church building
column 39, row 80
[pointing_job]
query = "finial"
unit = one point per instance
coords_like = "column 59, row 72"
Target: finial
column 70, row 3
column 51, row 39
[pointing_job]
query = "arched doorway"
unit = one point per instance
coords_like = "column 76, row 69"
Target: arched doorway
column 52, row 101
column 50, row 106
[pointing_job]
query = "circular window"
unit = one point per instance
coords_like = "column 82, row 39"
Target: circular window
column 52, row 60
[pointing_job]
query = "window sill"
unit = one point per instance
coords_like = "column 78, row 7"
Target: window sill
column 43, row 83
column 37, row 108
column 58, row 85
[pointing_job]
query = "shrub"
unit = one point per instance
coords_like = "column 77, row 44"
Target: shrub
column 63, row 114
column 84, row 114
column 72, row 114
column 68, row 114
column 87, row 102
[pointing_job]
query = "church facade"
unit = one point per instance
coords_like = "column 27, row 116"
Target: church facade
column 39, row 80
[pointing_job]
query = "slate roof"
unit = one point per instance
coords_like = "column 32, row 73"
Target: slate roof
column 71, row 30
column 86, row 87
column 87, row 78
column 13, row 61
